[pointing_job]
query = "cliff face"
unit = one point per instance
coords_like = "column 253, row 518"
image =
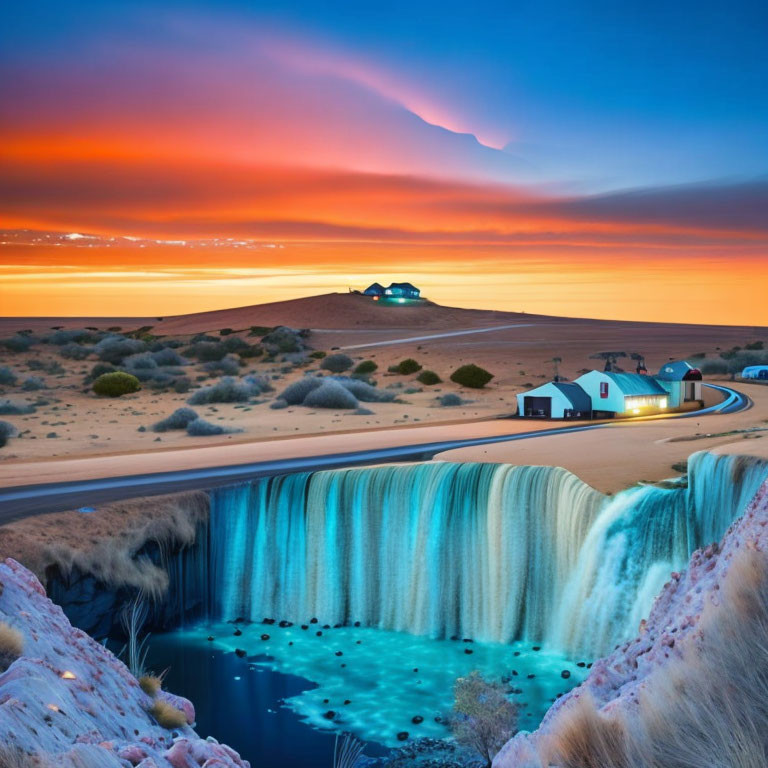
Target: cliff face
column 692, row 685
column 71, row 703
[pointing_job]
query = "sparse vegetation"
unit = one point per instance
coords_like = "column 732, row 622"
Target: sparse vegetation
column 75, row 351
column 7, row 376
column 407, row 367
column 472, row 376
column 150, row 684
column 331, row 394
column 429, row 378
column 318, row 354
column 116, row 384
column 337, row 363
column 365, row 368
column 203, row 428
column 9, row 408
column 7, row 431
column 450, row 400
column 114, row 349
column 11, row 645
column 294, row 394
column 483, row 717
column 230, row 390
column 167, row 715
column 179, row 419
column 33, row 383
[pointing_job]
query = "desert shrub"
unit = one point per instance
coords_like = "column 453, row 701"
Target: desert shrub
column 337, row 363
column 715, row 365
column 7, row 431
column 450, row 400
column 408, row 366
column 99, row 369
column 206, row 351
column 226, row 331
column 471, row 375
column 179, row 419
column 249, row 352
column 150, row 684
column 279, row 404
column 168, row 356
column 7, row 376
column 198, row 337
column 365, row 368
column 428, row 377
column 114, row 349
column 365, row 392
column 10, row 408
column 203, row 428
column 318, row 354
column 484, row 719
column 19, row 342
column 33, row 383
column 182, row 385
column 331, row 394
column 295, row 393
column 141, row 361
column 52, row 368
column 74, row 351
column 11, row 645
column 755, row 345
column 116, row 384
column 167, row 715
column 259, row 330
column 227, row 366
column 229, row 390
column 235, row 344
column 283, row 339
column 77, row 336
column 363, row 412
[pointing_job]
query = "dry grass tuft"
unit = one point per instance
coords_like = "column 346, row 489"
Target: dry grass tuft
column 11, row 645
column 16, row 757
column 707, row 708
column 167, row 715
column 150, row 684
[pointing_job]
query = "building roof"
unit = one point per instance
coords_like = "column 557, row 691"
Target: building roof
column 676, row 370
column 754, row 369
column 576, row 396
column 404, row 286
column 374, row 288
column 636, row 384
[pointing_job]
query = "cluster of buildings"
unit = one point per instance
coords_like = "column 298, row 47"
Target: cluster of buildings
column 755, row 372
column 398, row 292
column 604, row 394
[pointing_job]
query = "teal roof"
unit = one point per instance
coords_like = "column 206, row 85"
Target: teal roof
column 636, row 384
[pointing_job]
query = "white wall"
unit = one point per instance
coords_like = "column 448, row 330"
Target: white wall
column 591, row 381
column 560, row 403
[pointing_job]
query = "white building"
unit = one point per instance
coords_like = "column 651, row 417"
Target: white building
column 681, row 380
column 623, row 394
column 555, row 400
column 755, row 372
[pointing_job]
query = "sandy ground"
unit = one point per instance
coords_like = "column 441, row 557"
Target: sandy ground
column 626, row 453
column 74, row 423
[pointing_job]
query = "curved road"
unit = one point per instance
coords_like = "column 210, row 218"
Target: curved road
column 23, row 501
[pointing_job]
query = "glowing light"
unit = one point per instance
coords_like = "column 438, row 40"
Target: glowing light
column 53, row 707
column 636, row 411
column 67, row 675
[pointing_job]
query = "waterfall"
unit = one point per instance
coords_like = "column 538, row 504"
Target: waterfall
column 488, row 551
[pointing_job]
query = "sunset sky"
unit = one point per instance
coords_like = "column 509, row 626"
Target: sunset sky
column 595, row 158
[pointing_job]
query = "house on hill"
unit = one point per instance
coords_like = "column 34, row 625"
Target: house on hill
column 623, row 394
column 555, row 400
column 374, row 289
column 402, row 291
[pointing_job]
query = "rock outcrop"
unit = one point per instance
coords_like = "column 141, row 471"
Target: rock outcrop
column 672, row 634
column 70, row 702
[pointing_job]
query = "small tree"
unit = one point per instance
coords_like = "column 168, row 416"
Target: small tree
column 471, row 375
column 116, row 384
column 408, row 366
column 484, row 718
column 337, row 363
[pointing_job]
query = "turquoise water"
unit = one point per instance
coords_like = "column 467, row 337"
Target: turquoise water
column 375, row 682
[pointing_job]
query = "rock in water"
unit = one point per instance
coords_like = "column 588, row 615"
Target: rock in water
column 96, row 713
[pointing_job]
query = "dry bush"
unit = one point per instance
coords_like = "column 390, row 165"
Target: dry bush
column 16, row 757
column 167, row 715
column 11, row 645
column 707, row 708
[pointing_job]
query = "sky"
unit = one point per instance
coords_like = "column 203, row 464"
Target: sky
column 595, row 159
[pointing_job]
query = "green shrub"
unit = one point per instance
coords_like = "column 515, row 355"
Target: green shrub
column 366, row 367
column 318, row 354
column 259, row 330
column 428, row 378
column 226, row 331
column 337, row 363
column 471, row 375
column 116, row 384
column 408, row 366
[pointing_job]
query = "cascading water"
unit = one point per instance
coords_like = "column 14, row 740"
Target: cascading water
column 488, row 551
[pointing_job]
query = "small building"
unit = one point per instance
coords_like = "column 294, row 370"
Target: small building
column 623, row 394
column 755, row 372
column 555, row 400
column 681, row 380
column 374, row 289
column 402, row 291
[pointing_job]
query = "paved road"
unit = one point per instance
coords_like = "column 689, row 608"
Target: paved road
column 23, row 501
column 444, row 335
